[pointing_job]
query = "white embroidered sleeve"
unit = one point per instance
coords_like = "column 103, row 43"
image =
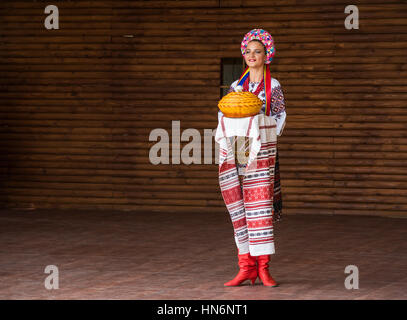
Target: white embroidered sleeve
column 278, row 106
column 280, row 120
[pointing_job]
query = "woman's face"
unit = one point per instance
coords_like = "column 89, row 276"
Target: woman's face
column 255, row 55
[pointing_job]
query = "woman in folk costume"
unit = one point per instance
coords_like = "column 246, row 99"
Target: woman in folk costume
column 253, row 229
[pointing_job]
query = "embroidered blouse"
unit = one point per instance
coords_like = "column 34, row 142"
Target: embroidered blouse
column 277, row 102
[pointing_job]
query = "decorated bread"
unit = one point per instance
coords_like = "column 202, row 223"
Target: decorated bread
column 240, row 104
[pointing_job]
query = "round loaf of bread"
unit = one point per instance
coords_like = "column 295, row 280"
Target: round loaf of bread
column 240, row 104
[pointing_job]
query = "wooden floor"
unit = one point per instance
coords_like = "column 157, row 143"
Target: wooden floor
column 128, row 255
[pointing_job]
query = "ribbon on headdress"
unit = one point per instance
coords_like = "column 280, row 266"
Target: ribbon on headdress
column 267, row 85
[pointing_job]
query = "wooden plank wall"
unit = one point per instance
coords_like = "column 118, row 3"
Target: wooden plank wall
column 78, row 104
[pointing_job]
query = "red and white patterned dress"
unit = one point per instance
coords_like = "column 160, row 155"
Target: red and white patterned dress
column 255, row 203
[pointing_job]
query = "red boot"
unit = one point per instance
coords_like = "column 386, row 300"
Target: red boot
column 263, row 270
column 248, row 270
